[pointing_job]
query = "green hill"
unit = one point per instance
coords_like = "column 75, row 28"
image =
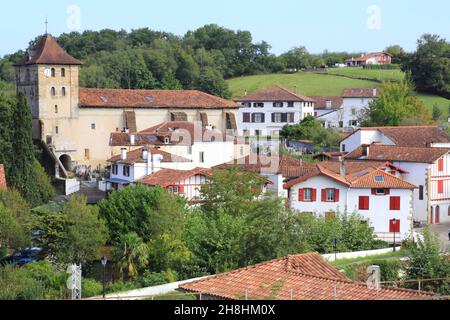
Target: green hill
column 314, row 84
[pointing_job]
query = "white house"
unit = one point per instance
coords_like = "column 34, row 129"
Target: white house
column 428, row 168
column 329, row 110
column 379, row 196
column 410, row 136
column 204, row 147
column 266, row 112
column 355, row 101
column 370, row 58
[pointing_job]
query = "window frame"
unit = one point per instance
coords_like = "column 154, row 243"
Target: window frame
column 330, row 195
column 126, row 171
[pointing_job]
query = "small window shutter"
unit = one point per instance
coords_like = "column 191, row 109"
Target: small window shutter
column 441, row 165
column 374, row 191
column 263, row 117
column 246, row 117
column 361, row 203
column 324, row 195
column 301, row 195
column 367, row 203
column 336, row 195
column 273, row 117
column 181, row 189
column 314, row 195
column 284, row 117
column 387, row 191
column 440, row 186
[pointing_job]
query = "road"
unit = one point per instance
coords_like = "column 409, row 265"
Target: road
column 442, row 231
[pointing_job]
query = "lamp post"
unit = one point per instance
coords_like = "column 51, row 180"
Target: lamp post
column 394, row 224
column 335, row 242
column 104, row 261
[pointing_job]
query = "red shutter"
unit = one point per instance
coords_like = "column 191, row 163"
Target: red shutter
column 336, row 195
column 396, row 228
column 314, row 195
column 387, row 191
column 301, row 194
column 361, row 203
column 374, row 191
column 394, row 203
column 181, row 189
column 324, row 195
column 364, row 203
column 440, row 186
column 441, row 165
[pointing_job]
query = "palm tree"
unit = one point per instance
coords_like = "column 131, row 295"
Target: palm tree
column 131, row 254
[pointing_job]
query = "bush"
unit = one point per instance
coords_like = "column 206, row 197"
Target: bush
column 91, row 288
column 150, row 279
column 381, row 67
column 122, row 286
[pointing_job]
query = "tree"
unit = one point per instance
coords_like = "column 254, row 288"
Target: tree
column 395, row 106
column 131, row 254
column 397, row 52
column 212, row 82
column 430, row 65
column 437, row 113
column 149, row 212
column 427, row 262
column 71, row 232
column 168, row 253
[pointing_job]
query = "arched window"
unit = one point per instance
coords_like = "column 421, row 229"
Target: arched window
column 53, row 72
column 53, row 91
column 63, row 91
column 56, row 109
column 63, row 72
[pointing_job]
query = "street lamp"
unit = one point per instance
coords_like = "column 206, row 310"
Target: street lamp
column 335, row 241
column 104, row 261
column 394, row 224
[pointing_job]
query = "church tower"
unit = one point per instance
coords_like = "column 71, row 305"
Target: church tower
column 49, row 77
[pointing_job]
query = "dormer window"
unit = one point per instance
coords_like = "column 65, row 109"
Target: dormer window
column 63, row 72
column 53, row 72
column 166, row 140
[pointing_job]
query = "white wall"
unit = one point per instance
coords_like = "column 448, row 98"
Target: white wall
column 353, row 109
column 361, row 137
column 300, row 109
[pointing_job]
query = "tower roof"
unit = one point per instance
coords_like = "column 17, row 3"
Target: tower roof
column 47, row 51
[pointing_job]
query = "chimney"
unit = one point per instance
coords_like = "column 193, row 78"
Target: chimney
column 375, row 92
column 328, row 104
column 245, row 93
column 132, row 139
column 157, row 159
column 145, row 154
column 342, row 170
column 123, row 154
column 366, row 150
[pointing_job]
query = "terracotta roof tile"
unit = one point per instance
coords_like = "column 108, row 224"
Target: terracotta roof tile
column 394, row 153
column 120, row 98
column 300, row 277
column 321, row 102
column 168, row 177
column 361, row 93
column 368, row 56
column 135, row 156
column 3, row 185
column 264, row 164
column 274, row 93
column 48, row 51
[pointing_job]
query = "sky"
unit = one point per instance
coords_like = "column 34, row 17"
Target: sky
column 345, row 25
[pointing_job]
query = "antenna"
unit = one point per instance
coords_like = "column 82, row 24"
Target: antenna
column 46, row 26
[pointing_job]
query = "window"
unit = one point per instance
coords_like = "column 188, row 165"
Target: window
column 63, row 91
column 241, row 151
column 63, row 72
column 291, row 117
column 53, row 72
column 258, row 105
column 53, row 91
column 379, row 179
column 276, row 117
column 421, row 192
column 189, row 151
column 257, row 133
column 341, row 124
column 380, row 191
column 290, row 104
column 258, row 118
column 394, row 227
column 343, row 147
column 364, row 203
column 93, row 126
column 441, row 165
column 330, row 195
column 246, row 117
column 394, row 203
column 278, row 104
column 353, row 111
column 202, row 157
column 87, row 153
column 174, row 189
column 57, row 130
column 115, row 169
column 126, row 171
column 440, row 186
column 247, row 104
column 353, row 123
column 307, row 195
column 56, row 109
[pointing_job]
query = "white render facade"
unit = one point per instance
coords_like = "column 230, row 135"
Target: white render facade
column 268, row 118
column 379, row 214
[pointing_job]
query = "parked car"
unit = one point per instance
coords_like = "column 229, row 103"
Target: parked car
column 19, row 259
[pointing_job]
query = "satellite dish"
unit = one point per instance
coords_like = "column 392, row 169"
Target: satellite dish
column 47, row 72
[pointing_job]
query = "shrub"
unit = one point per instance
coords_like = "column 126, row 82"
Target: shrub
column 91, row 288
column 122, row 286
column 150, row 279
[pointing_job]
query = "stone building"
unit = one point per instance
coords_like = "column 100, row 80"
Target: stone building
column 74, row 124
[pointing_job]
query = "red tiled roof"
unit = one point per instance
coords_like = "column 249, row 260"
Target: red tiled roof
column 321, row 102
column 168, row 177
column 360, row 93
column 300, row 277
column 359, row 174
column 120, row 98
column 3, row 185
column 413, row 136
column 48, row 51
column 263, row 164
column 368, row 56
column 394, row 153
column 135, row 156
column 274, row 93
column 172, row 129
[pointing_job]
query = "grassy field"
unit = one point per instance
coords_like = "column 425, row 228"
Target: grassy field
column 360, row 73
column 312, row 84
column 391, row 255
